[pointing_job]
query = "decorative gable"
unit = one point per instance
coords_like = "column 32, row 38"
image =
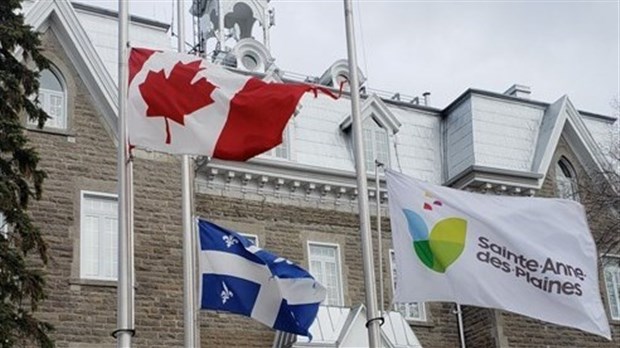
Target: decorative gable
column 374, row 107
column 561, row 118
column 62, row 19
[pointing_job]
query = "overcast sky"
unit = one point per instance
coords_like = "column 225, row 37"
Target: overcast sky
column 445, row 47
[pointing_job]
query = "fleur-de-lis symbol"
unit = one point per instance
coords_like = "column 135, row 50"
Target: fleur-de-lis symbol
column 226, row 294
column 230, row 241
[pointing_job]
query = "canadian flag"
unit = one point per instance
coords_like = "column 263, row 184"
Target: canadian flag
column 181, row 104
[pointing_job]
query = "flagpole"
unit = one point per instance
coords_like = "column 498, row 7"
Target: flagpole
column 190, row 314
column 373, row 323
column 379, row 237
column 459, row 316
column 125, row 298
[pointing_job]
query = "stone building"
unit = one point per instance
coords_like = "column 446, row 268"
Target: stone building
column 298, row 200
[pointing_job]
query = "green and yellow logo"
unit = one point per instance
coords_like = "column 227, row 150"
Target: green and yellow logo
column 445, row 243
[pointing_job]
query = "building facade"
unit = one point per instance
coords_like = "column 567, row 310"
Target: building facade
column 298, row 200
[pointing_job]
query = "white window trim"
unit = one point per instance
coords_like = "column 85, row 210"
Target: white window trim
column 570, row 180
column 421, row 305
column 338, row 264
column 4, row 226
column 617, row 257
column 375, row 123
column 65, row 96
column 252, row 236
column 48, row 93
column 84, row 193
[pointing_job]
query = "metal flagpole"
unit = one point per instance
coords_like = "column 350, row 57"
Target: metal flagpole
column 373, row 323
column 190, row 314
column 379, row 238
column 125, row 298
column 459, row 316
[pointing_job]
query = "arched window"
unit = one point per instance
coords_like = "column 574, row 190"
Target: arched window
column 375, row 144
column 566, row 180
column 53, row 99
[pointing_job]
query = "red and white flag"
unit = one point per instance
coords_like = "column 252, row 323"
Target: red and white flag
column 182, row 104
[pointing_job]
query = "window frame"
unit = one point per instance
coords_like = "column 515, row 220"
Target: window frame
column 373, row 146
column 96, row 194
column 338, row 269
column 612, row 261
column 286, row 141
column 421, row 305
column 569, row 180
column 250, row 235
column 4, row 226
column 45, row 94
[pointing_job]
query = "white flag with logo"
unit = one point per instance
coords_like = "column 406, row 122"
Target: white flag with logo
column 532, row 256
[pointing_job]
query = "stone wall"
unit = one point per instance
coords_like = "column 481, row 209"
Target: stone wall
column 84, row 159
column 480, row 326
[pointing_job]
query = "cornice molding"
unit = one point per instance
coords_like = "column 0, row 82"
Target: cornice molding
column 300, row 185
column 283, row 183
column 503, row 181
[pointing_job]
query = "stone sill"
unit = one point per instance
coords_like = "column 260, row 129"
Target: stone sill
column 52, row 131
column 420, row 323
column 94, row 282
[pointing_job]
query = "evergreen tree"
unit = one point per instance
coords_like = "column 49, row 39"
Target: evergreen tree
column 21, row 281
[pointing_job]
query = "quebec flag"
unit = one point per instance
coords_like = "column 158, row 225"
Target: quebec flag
column 238, row 277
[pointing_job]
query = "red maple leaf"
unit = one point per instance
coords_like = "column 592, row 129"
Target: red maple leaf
column 175, row 97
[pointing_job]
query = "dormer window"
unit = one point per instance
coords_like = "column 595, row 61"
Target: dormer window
column 251, row 55
column 375, row 144
column 338, row 73
column 378, row 123
column 250, row 62
column 282, row 151
column 53, row 99
column 566, row 180
column 340, row 79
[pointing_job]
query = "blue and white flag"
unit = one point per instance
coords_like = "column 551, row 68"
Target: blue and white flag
column 238, row 277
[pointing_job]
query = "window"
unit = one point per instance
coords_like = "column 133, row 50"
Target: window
column 611, row 271
column 53, row 99
column 411, row 310
column 4, row 226
column 99, row 236
column 249, row 61
column 325, row 267
column 283, row 150
column 566, row 180
column 375, row 144
column 252, row 238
